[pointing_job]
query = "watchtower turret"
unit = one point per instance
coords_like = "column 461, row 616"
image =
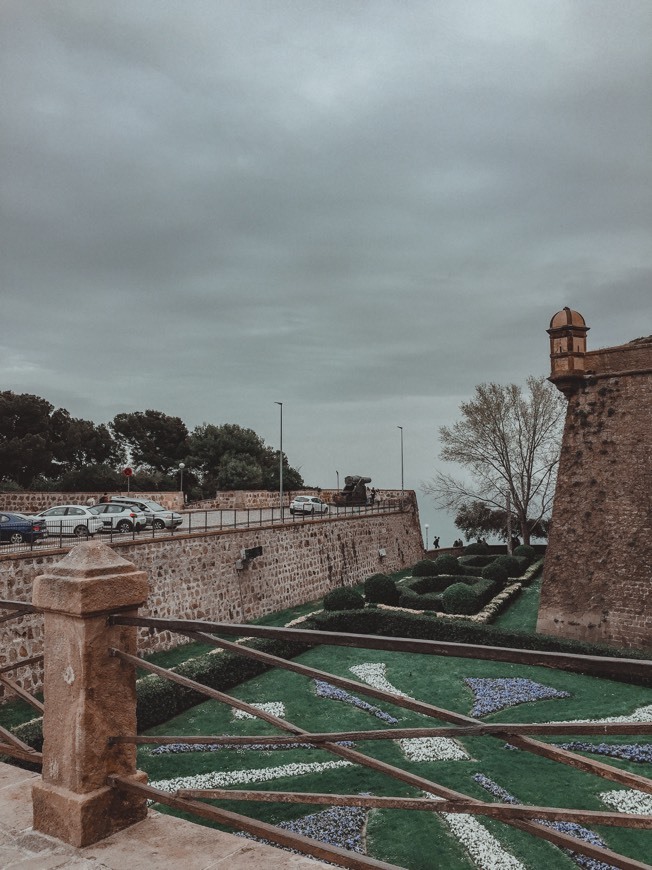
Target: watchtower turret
column 567, row 349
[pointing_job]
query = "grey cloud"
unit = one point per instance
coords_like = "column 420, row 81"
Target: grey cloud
column 361, row 209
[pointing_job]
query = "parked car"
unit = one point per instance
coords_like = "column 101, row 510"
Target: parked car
column 17, row 528
column 308, row 504
column 70, row 519
column 120, row 517
column 156, row 514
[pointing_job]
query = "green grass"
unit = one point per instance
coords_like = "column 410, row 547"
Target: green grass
column 521, row 615
column 406, row 838
column 416, row 840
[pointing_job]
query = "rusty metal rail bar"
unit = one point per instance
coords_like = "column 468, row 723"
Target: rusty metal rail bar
column 9, row 604
column 499, row 811
column 604, row 665
column 563, row 840
column 346, row 858
column 16, row 748
column 307, row 845
column 503, row 729
column 607, row 771
column 29, row 699
column 22, row 663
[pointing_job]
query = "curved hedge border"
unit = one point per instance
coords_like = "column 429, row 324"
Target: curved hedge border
column 388, row 623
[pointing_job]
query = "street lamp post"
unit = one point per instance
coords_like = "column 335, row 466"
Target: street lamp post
column 338, row 480
column 427, row 527
column 280, row 464
column 402, row 481
column 181, row 467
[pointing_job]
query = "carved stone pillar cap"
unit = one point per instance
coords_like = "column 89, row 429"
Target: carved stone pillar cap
column 89, row 580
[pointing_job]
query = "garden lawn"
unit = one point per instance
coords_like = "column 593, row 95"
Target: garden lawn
column 408, row 838
column 522, row 613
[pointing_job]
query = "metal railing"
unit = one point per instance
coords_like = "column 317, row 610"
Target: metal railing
column 526, row 818
column 62, row 534
column 11, row 745
column 533, row 820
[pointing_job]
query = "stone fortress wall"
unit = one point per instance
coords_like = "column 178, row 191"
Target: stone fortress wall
column 33, row 502
column 597, row 582
column 198, row 577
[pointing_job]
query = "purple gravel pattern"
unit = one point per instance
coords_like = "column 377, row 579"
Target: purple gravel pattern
column 639, row 752
column 571, row 828
column 325, row 690
column 492, row 695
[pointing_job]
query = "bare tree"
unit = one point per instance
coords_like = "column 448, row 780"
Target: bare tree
column 509, row 440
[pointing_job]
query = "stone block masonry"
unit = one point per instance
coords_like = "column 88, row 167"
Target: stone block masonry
column 597, row 582
column 197, row 576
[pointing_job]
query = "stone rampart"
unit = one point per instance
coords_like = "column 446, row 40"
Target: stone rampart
column 255, row 499
column 34, row 502
column 597, row 582
column 198, row 576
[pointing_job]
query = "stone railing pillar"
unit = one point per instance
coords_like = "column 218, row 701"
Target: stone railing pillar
column 89, row 695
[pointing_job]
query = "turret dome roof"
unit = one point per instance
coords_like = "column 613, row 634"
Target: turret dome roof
column 567, row 317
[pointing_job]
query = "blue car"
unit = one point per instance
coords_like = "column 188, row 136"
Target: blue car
column 17, row 529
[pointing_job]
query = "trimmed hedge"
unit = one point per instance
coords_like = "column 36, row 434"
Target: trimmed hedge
column 343, row 598
column 476, row 549
column 420, row 601
column 476, row 561
column 525, row 552
column 514, row 565
column 496, row 572
column 470, row 570
column 424, row 568
column 446, row 564
column 381, row 589
column 463, row 598
column 419, row 626
column 428, row 585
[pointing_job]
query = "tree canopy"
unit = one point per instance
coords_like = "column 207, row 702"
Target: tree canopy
column 476, row 519
column 153, row 439
column 232, row 457
column 45, row 448
column 508, row 440
column 37, row 441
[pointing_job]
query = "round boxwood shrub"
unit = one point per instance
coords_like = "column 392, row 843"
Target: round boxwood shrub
column 476, row 561
column 426, row 585
column 424, row 568
column 511, row 564
column 459, row 598
column 476, row 549
column 411, row 599
column 526, row 552
column 343, row 598
column 381, row 589
column 496, row 572
column 446, row 564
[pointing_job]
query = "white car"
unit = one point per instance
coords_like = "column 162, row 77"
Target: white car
column 156, row 514
column 119, row 517
column 308, row 504
column 70, row 519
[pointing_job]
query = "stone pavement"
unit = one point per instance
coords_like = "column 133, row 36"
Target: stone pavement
column 160, row 841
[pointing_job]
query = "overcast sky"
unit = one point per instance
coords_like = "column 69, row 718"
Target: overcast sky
column 361, row 208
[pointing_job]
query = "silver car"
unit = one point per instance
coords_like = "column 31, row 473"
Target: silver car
column 120, row 517
column 156, row 514
column 70, row 519
column 308, row 504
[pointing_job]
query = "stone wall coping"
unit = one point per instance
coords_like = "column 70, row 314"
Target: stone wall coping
column 79, row 583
